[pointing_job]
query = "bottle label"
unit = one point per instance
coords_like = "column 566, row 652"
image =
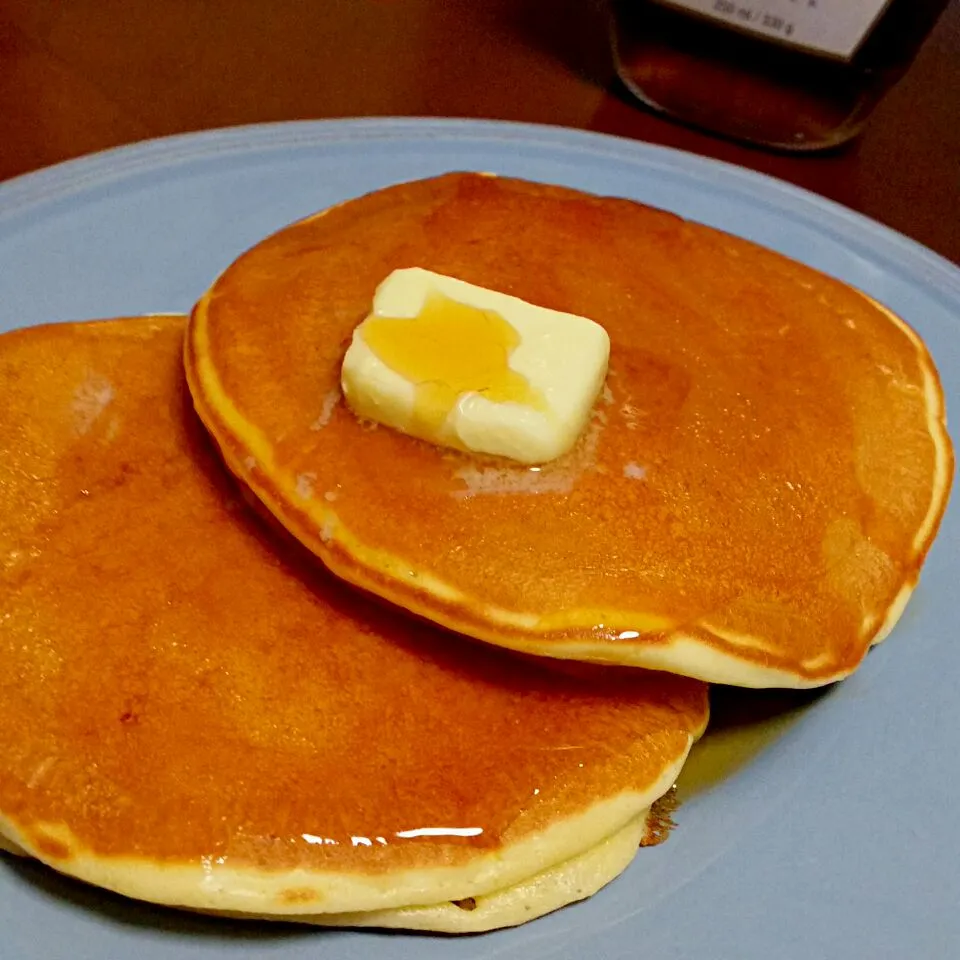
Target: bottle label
column 835, row 27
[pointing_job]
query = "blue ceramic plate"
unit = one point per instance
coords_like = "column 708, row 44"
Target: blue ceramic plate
column 811, row 827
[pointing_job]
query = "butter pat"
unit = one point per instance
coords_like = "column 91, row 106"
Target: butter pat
column 474, row 369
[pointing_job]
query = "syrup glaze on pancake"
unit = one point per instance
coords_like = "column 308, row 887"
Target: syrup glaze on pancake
column 751, row 503
column 194, row 712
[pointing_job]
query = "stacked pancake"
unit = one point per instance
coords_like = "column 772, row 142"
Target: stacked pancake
column 215, row 723
column 751, row 503
column 220, row 722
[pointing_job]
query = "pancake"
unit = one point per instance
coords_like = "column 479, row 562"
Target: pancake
column 751, row 503
column 556, row 887
column 194, row 713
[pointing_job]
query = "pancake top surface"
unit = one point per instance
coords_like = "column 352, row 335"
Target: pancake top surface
column 180, row 687
column 751, row 502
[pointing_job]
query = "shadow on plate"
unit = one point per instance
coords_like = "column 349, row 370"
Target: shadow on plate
column 743, row 724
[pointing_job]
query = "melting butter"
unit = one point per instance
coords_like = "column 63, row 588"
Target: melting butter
column 449, row 349
column 467, row 367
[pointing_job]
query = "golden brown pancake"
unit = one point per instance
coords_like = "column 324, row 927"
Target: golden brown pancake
column 751, row 503
column 193, row 712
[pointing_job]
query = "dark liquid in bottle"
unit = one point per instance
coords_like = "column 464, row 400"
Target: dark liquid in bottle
column 753, row 88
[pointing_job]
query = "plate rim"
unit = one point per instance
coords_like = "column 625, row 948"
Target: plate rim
column 77, row 175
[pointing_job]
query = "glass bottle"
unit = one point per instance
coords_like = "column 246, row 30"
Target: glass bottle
column 787, row 74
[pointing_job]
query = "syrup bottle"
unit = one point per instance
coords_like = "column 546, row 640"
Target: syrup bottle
column 786, row 74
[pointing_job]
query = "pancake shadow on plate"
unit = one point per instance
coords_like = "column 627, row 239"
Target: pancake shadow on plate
column 743, row 725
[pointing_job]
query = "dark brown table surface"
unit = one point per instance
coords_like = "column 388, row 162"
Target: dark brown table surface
column 78, row 76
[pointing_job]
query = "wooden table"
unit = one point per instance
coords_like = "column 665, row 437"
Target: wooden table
column 83, row 75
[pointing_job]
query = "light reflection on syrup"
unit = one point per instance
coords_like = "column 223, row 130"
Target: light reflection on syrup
column 440, row 832
column 415, row 834
column 743, row 724
column 320, row 841
column 367, row 842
